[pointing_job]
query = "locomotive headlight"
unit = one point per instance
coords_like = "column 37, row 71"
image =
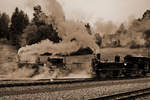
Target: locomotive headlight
column 125, row 64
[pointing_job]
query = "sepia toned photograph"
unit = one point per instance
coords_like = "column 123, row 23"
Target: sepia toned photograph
column 75, row 50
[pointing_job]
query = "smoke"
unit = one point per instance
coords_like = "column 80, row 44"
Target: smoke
column 133, row 36
column 30, row 53
column 83, row 71
column 67, row 29
column 54, row 9
column 74, row 36
column 44, row 73
column 104, row 28
column 137, row 31
column 20, row 73
column 66, row 47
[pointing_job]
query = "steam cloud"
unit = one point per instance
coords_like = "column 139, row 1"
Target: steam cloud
column 69, row 30
column 104, row 28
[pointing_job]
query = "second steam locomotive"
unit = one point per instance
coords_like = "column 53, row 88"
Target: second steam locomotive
column 130, row 67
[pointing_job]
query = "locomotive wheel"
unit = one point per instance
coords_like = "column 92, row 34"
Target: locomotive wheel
column 117, row 73
column 102, row 75
column 105, row 74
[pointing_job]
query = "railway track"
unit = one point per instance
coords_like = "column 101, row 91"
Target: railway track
column 17, row 83
column 131, row 95
column 45, row 86
column 40, row 82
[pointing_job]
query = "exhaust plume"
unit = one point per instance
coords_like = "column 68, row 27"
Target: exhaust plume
column 74, row 36
column 105, row 28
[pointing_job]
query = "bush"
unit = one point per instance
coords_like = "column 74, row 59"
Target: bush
column 134, row 45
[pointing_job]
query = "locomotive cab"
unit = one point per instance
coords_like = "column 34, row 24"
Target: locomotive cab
column 107, row 69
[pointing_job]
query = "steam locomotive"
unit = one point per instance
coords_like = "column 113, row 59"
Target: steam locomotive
column 130, row 67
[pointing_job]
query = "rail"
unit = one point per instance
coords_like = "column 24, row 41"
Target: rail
column 17, row 83
column 45, row 82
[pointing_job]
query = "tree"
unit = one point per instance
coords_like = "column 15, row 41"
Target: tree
column 19, row 21
column 39, row 29
column 48, row 32
column 122, row 29
column 4, row 22
column 39, row 17
column 33, row 34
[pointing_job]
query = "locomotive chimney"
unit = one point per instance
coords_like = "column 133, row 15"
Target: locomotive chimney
column 117, row 59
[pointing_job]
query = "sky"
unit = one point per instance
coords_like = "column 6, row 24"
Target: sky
column 89, row 10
